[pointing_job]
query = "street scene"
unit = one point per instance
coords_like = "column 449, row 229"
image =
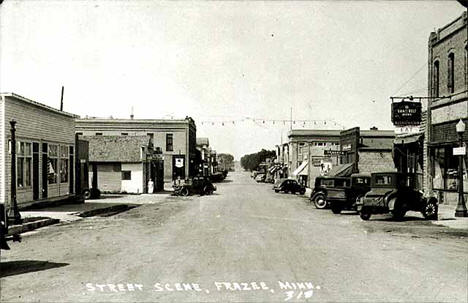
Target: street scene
column 233, row 151
column 245, row 233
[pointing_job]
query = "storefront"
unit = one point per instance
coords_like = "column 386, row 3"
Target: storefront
column 408, row 156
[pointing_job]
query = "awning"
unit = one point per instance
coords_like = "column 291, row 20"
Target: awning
column 301, row 169
column 343, row 170
column 408, row 139
column 274, row 168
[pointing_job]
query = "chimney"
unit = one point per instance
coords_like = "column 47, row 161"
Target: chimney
column 374, row 128
column 131, row 114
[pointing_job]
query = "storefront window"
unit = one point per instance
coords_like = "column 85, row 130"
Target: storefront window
column 52, row 162
column 23, row 164
column 445, row 170
column 63, row 164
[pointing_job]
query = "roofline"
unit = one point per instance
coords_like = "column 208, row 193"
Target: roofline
column 112, row 120
column 38, row 104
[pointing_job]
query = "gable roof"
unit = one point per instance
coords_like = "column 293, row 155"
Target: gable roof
column 116, row 148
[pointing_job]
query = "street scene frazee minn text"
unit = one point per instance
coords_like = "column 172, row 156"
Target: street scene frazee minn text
column 233, row 151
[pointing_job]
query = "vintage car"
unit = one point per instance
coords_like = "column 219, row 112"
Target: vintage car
column 4, row 236
column 288, row 186
column 198, row 185
column 395, row 192
column 325, row 185
column 260, row 177
column 352, row 190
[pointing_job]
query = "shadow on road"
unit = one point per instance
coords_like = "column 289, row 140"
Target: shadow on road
column 13, row 268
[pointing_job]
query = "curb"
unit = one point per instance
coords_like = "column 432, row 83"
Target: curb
column 106, row 210
column 19, row 229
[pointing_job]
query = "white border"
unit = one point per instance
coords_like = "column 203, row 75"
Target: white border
column 2, row 149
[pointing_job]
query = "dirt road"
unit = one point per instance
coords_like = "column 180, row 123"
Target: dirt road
column 245, row 243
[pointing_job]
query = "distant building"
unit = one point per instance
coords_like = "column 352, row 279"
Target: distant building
column 448, row 103
column 306, row 153
column 124, row 164
column 45, row 151
column 203, row 146
column 176, row 138
column 365, row 151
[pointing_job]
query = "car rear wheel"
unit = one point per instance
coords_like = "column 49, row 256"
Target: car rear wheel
column 365, row 214
column 302, row 191
column 336, row 209
column 398, row 213
column 320, row 201
column 184, row 191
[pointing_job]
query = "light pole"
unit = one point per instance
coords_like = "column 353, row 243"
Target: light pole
column 461, row 207
column 13, row 212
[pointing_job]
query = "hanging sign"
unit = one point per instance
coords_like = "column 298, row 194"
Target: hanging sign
column 179, row 162
column 406, row 113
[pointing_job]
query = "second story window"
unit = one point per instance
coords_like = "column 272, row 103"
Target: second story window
column 451, row 73
column 169, row 142
column 436, row 79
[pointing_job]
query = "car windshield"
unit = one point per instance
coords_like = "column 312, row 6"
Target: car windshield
column 361, row 180
column 328, row 182
column 383, row 180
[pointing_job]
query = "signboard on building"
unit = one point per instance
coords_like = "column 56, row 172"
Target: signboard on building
column 331, row 153
column 179, row 162
column 406, row 113
column 459, row 151
column 346, row 147
column 408, row 129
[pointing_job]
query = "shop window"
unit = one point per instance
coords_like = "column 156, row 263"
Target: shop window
column 52, row 159
column 451, row 73
column 63, row 164
column 23, row 164
column 436, row 79
column 169, row 142
column 445, row 169
column 126, row 175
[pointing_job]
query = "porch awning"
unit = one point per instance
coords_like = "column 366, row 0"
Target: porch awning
column 343, row 170
column 274, row 168
column 408, row 139
column 301, row 169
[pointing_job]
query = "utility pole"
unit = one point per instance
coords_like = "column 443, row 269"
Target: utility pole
column 290, row 120
column 61, row 99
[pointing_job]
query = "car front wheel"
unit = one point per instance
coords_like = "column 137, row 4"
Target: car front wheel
column 430, row 210
column 320, row 201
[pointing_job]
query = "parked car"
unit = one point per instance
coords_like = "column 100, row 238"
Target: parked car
column 323, row 186
column 346, row 196
column 198, row 185
column 395, row 192
column 288, row 186
column 260, row 177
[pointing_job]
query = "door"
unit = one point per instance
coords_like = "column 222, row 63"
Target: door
column 45, row 170
column 178, row 167
column 35, row 172
column 71, row 164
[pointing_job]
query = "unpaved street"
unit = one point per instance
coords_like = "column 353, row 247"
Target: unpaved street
column 245, row 243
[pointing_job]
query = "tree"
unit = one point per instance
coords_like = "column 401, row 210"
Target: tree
column 225, row 161
column 252, row 161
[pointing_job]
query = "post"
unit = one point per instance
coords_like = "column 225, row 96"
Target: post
column 461, row 206
column 13, row 212
column 61, row 100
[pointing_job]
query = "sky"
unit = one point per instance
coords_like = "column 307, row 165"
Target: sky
column 237, row 63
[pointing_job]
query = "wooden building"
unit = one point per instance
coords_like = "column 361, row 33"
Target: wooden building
column 45, row 151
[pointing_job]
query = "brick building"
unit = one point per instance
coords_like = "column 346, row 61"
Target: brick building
column 176, row 138
column 45, row 151
column 448, row 103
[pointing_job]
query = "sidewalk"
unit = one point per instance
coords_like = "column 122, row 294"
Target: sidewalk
column 447, row 217
column 108, row 204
